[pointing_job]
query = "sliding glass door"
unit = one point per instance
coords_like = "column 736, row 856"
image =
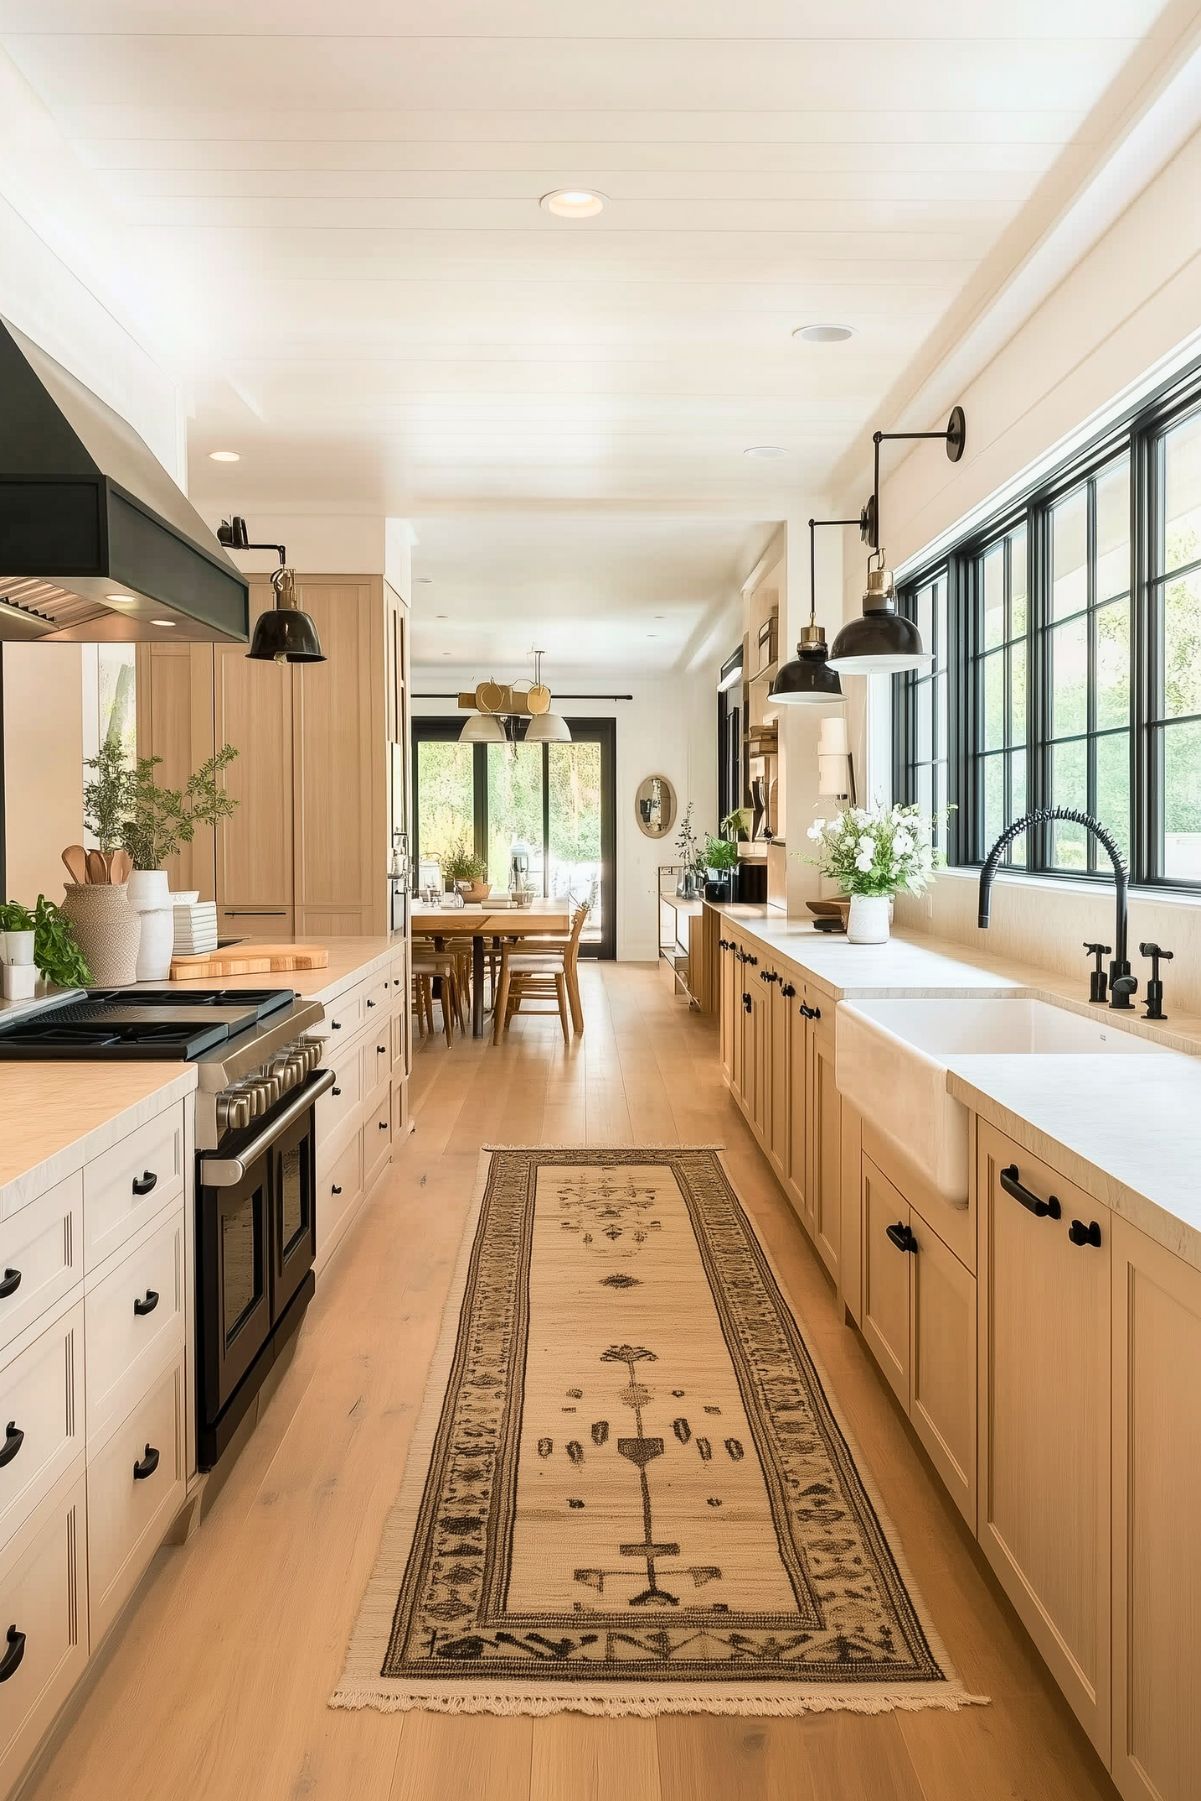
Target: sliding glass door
column 551, row 804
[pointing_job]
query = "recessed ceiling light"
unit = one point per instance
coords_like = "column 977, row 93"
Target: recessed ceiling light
column 765, row 450
column 824, row 334
column 224, row 456
column 168, row 622
column 574, row 203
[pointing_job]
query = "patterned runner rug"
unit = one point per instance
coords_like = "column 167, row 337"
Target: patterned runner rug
column 629, row 1491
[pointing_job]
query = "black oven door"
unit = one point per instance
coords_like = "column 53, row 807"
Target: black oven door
column 293, row 1211
column 234, row 1315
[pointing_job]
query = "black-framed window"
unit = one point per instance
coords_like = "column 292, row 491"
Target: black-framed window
column 1072, row 637
column 557, row 800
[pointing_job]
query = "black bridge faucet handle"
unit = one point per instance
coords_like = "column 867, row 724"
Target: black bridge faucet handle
column 1096, row 981
column 1155, row 985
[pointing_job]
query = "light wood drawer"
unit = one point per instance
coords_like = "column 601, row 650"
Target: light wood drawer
column 43, row 1594
column 377, row 1137
column 337, row 1192
column 397, row 970
column 131, row 1183
column 343, row 1017
column 399, row 1026
column 255, row 922
column 133, row 1495
column 337, row 1104
column 41, row 1256
column 41, row 1398
column 134, row 1320
column 375, row 1059
column 377, row 1000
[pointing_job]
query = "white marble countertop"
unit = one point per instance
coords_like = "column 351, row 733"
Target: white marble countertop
column 1126, row 1129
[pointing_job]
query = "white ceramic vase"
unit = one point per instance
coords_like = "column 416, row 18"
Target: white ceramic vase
column 869, row 919
column 149, row 896
column 18, row 948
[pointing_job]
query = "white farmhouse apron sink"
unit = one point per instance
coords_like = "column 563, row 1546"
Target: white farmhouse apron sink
column 891, row 1061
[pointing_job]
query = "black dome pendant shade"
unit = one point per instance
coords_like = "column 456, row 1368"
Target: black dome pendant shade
column 285, row 634
column 808, row 679
column 882, row 641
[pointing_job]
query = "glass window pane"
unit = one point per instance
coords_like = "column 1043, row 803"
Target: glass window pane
column 1113, row 664
column 940, row 717
column 922, row 699
column 923, row 788
column 925, row 614
column 994, row 800
column 994, row 701
column 445, row 808
column 514, row 812
column 939, row 834
column 941, row 641
column 1069, row 555
column 575, row 827
column 1113, row 530
column 1017, row 582
column 1017, row 694
column 1182, row 802
column 1113, row 788
column 992, row 576
column 1017, row 804
column 1069, row 678
column 1182, row 494
column 1181, row 642
column 1069, row 788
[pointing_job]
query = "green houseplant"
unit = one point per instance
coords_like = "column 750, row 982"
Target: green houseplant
column 466, row 871
column 56, row 950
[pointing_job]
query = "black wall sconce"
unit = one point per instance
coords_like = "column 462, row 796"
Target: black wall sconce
column 881, row 642
column 283, row 634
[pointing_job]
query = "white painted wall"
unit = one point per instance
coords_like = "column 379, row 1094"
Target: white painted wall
column 1127, row 313
column 668, row 728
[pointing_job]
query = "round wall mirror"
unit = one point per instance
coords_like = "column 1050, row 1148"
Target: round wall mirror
column 655, row 806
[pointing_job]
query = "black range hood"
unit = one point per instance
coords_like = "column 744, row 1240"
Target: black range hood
column 97, row 543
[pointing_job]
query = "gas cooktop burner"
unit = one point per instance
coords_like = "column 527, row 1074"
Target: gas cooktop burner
column 155, row 1023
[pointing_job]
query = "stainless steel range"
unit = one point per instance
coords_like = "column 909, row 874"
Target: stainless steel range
column 258, row 1065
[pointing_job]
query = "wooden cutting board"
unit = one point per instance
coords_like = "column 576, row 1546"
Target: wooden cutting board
column 248, row 960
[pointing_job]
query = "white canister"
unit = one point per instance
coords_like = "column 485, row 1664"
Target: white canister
column 869, row 918
column 149, row 896
column 18, row 980
column 18, row 949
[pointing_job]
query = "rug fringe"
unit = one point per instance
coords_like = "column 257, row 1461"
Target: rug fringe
column 699, row 1701
column 637, row 1150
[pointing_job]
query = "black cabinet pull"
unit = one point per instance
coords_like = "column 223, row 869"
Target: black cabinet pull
column 147, row 1466
column 382, row 1124
column 10, row 1663
column 902, row 1236
column 1048, row 1209
column 335, row 1025
column 746, row 1002
column 141, row 1308
column 371, row 1003
column 754, row 962
column 1079, row 1233
column 14, row 1439
column 815, row 1012
column 145, row 1182
column 335, row 1188
column 335, row 1091
column 381, row 1048
column 10, row 1284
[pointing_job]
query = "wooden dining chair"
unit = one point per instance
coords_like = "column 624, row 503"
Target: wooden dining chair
column 537, row 969
column 435, row 971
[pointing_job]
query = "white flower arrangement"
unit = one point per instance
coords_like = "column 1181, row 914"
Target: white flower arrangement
column 877, row 852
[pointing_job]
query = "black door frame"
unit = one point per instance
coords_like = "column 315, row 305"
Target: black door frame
column 443, row 730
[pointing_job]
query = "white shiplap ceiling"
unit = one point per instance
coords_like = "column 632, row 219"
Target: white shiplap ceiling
column 332, row 212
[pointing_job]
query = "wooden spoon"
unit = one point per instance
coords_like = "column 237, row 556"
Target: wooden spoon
column 97, row 867
column 120, row 867
column 75, row 862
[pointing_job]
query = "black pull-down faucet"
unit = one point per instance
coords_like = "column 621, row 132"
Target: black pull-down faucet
column 1122, row 985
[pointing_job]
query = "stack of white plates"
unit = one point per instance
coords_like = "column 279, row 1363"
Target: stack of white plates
column 195, row 928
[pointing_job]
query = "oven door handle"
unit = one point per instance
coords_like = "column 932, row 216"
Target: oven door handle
column 227, row 1172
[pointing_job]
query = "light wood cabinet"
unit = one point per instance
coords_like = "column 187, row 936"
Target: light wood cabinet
column 886, row 1277
column 174, row 704
column 1156, row 1545
column 252, row 709
column 1044, row 1401
column 727, row 984
column 824, row 1111
column 796, row 1185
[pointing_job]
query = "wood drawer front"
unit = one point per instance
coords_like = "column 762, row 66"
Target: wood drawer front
column 344, row 1016
column 337, row 1193
column 126, row 1350
column 41, row 1396
column 337, row 1104
column 43, row 1246
column 263, row 921
column 377, row 1137
column 128, row 1516
column 43, row 1593
column 399, row 1028
column 377, row 997
column 116, row 1198
column 375, row 1059
column 886, row 1279
column 397, row 970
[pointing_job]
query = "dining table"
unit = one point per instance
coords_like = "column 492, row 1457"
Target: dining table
column 484, row 920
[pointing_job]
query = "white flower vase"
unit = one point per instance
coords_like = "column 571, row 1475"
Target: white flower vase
column 869, row 919
column 149, row 896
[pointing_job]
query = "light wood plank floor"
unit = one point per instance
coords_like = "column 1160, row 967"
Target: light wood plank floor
column 217, row 1688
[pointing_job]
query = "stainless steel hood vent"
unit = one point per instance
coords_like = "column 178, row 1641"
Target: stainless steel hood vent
column 97, row 543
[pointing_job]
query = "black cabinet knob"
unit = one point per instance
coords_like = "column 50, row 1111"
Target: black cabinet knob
column 335, row 1188
column 902, row 1236
column 1081, row 1234
column 145, row 1182
column 335, row 1025
column 335, row 1091
column 146, row 1465
column 141, row 1308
